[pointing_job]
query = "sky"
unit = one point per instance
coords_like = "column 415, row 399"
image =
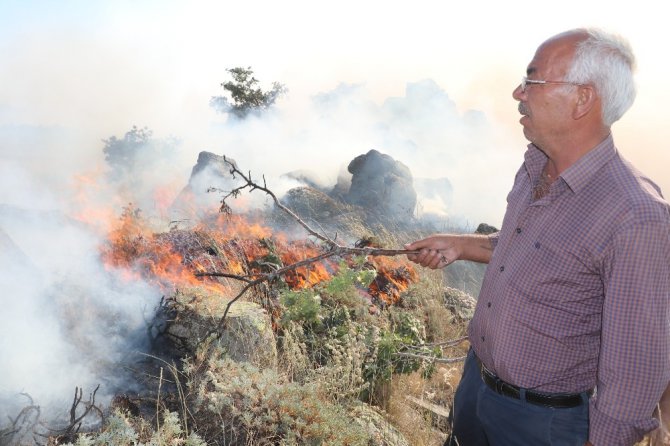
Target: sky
column 77, row 72
column 427, row 82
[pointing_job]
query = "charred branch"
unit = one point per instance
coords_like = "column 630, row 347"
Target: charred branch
column 332, row 247
column 68, row 434
column 22, row 425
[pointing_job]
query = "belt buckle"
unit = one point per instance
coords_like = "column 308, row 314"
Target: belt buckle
column 499, row 386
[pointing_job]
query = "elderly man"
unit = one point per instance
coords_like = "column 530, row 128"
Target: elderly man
column 570, row 338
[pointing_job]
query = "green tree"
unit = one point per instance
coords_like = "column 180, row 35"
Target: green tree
column 245, row 94
column 137, row 151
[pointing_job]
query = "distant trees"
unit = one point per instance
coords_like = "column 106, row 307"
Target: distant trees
column 136, row 151
column 246, row 95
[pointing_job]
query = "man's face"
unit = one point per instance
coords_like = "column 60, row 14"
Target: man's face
column 547, row 108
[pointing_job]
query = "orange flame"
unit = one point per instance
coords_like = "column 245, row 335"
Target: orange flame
column 393, row 277
column 233, row 245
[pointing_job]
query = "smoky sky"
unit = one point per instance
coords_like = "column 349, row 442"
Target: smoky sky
column 69, row 321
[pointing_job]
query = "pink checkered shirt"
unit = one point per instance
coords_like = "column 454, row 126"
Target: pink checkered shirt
column 576, row 294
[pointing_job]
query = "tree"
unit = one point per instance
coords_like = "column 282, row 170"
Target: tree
column 246, row 96
column 137, row 151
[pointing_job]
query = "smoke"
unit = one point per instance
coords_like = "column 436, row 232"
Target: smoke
column 69, row 322
column 66, row 322
column 424, row 129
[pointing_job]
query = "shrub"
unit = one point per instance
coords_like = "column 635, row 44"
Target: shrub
column 236, row 403
column 121, row 430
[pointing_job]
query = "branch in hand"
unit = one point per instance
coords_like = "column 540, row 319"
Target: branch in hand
column 332, row 247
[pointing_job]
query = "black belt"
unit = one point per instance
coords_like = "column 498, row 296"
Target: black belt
column 558, row 401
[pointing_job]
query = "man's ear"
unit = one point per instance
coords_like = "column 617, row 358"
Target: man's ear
column 587, row 99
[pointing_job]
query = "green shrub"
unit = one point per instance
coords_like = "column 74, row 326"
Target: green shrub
column 338, row 335
column 302, row 306
column 236, row 403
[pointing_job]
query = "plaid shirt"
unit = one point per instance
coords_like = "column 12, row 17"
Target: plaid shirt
column 576, row 293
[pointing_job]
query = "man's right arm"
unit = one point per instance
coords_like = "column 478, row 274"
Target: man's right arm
column 439, row 250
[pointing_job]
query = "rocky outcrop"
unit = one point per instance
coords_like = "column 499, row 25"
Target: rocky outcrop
column 381, row 185
column 484, row 228
column 247, row 335
column 210, row 172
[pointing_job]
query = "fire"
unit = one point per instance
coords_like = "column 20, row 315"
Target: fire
column 138, row 251
column 306, row 276
column 228, row 244
column 164, row 196
column 84, row 209
column 393, row 277
column 233, row 245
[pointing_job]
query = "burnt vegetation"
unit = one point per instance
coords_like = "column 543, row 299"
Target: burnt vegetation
column 330, row 337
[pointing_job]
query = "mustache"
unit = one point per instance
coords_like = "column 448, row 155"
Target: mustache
column 523, row 109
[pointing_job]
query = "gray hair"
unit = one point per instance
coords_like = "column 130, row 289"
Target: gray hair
column 605, row 61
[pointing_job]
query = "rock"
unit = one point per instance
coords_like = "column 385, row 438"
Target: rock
column 381, row 184
column 210, row 171
column 484, row 228
column 247, row 336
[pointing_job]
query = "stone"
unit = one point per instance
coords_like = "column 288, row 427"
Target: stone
column 381, row 184
column 246, row 337
column 210, row 174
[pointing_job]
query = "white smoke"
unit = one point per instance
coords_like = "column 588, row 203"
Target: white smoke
column 68, row 322
column 423, row 129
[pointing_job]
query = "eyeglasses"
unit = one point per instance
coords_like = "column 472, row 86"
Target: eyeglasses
column 525, row 82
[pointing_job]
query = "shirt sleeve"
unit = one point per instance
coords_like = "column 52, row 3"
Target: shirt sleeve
column 633, row 368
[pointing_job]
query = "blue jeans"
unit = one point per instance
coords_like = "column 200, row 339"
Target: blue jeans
column 482, row 417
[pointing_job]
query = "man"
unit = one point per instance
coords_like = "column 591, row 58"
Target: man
column 570, row 337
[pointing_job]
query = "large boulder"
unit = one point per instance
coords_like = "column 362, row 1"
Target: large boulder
column 195, row 314
column 485, row 228
column 381, row 185
column 209, row 175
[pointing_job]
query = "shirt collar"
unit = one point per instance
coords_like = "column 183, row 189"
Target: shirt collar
column 579, row 174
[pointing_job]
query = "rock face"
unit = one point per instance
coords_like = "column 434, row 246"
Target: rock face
column 485, row 228
column 247, row 336
column 210, row 171
column 381, row 185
